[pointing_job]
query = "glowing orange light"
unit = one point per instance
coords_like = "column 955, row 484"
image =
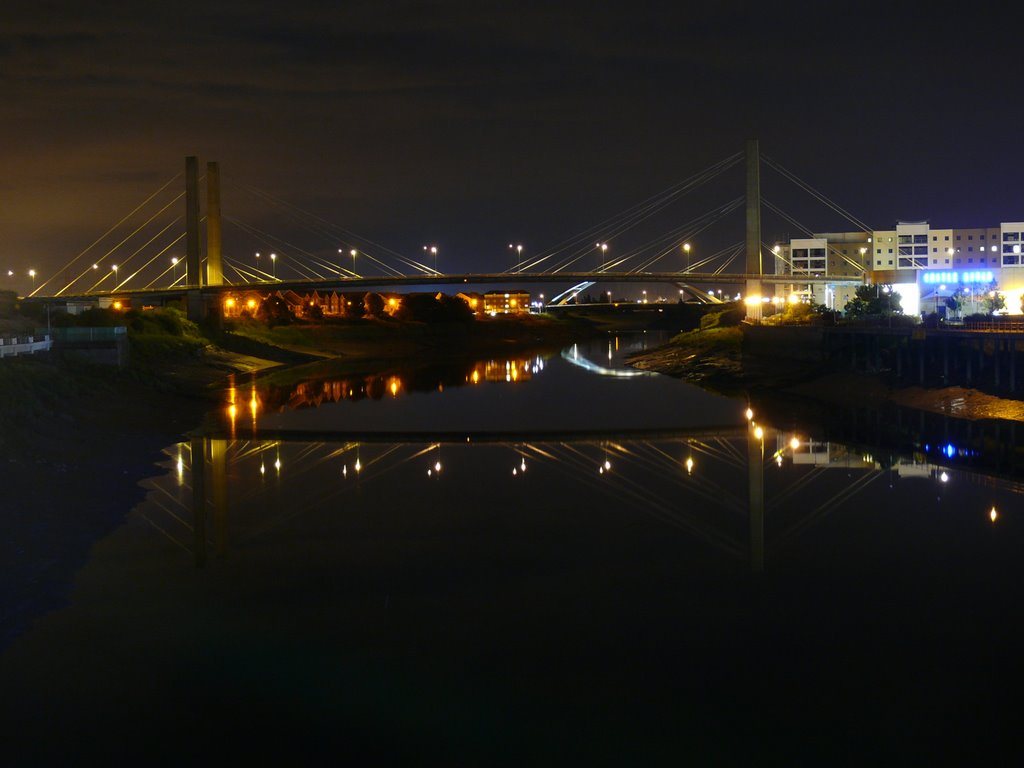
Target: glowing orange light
column 251, row 303
column 117, row 305
column 993, row 515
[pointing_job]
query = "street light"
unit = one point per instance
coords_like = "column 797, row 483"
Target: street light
column 603, row 247
column 273, row 264
column 686, row 250
column 519, row 256
column 432, row 249
column 353, row 252
column 32, row 274
column 174, row 266
column 113, row 267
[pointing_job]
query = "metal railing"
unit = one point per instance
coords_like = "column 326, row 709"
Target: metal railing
column 24, row 345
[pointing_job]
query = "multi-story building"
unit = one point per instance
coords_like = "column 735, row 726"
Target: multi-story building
column 923, row 263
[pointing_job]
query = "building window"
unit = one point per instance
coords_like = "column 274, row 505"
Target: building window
column 935, row 237
column 890, row 262
column 935, row 261
column 947, row 261
column 946, row 237
column 971, row 237
column 970, row 247
column 935, row 250
column 958, row 237
column 970, row 261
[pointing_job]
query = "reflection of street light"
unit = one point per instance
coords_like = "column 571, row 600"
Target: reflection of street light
column 686, row 250
column 519, row 256
column 645, row 297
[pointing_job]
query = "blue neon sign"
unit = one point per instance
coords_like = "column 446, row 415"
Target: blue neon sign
column 955, row 278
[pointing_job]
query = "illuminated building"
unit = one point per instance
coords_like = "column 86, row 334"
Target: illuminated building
column 913, row 257
column 506, row 302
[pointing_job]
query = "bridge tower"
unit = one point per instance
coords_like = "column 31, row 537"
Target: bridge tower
column 753, row 264
column 193, row 259
column 214, row 261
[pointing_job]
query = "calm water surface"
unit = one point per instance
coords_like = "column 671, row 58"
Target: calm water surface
column 533, row 560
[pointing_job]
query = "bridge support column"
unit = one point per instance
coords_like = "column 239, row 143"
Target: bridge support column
column 214, row 262
column 193, row 260
column 753, row 238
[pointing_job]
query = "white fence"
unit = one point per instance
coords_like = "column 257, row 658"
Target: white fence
column 24, row 345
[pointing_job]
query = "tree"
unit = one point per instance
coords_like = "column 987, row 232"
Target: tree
column 274, row 310
column 874, row 300
column 992, row 301
column 373, row 304
column 955, row 302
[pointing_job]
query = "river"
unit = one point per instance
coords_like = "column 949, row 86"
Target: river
column 548, row 559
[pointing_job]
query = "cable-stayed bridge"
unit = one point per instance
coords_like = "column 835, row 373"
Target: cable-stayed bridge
column 137, row 256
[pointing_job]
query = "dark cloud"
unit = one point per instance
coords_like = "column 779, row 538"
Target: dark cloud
column 472, row 123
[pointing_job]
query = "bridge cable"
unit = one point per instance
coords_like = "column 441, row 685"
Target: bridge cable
column 815, row 193
column 627, row 220
column 100, row 238
column 633, row 214
column 835, row 251
column 332, row 230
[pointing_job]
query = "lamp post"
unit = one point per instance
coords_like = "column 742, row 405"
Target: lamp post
column 432, row 249
column 273, row 264
column 519, row 257
column 113, row 268
column 32, row 274
column 353, row 252
column 174, row 266
column 686, row 250
column 603, row 248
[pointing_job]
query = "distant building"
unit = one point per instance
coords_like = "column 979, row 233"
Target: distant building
column 506, row 302
column 919, row 260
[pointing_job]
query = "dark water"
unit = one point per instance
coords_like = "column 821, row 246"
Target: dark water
column 535, row 561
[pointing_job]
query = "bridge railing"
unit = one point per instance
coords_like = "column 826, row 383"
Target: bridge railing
column 24, row 345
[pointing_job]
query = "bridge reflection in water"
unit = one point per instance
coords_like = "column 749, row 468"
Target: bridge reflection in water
column 744, row 492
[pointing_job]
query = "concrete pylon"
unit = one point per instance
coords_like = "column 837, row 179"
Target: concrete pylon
column 753, row 265
column 214, row 260
column 192, row 256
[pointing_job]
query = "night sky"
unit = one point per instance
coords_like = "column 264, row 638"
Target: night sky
column 473, row 125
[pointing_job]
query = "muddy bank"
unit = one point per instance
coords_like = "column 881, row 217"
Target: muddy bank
column 722, row 368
